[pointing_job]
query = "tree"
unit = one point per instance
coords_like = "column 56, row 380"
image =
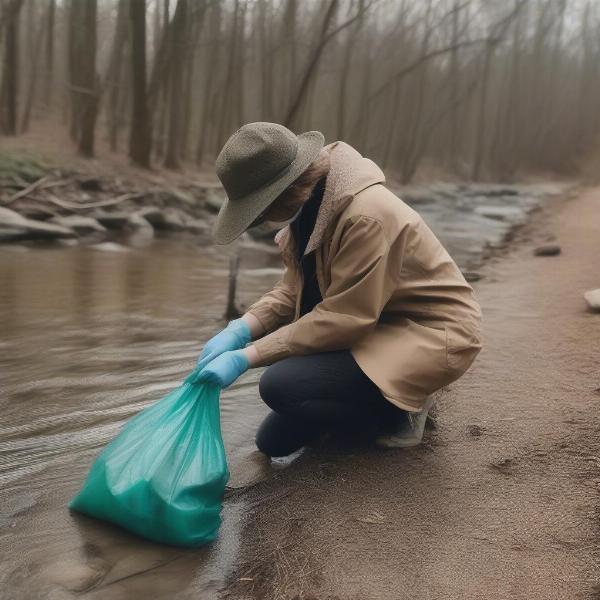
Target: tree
column 140, row 140
column 9, row 91
column 84, row 82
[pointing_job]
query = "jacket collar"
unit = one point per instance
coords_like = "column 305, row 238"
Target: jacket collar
column 349, row 173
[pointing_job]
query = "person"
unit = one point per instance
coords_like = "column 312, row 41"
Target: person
column 371, row 314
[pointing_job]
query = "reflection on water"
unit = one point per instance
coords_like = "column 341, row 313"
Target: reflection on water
column 88, row 338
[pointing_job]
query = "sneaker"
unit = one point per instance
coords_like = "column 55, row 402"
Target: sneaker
column 409, row 431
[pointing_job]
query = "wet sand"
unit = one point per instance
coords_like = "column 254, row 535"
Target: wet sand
column 502, row 501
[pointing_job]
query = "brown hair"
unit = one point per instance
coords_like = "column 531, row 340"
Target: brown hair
column 292, row 198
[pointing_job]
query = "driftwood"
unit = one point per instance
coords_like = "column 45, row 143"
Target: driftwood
column 30, row 188
column 43, row 183
column 78, row 206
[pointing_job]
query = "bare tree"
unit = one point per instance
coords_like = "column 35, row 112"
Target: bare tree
column 140, row 132
column 480, row 88
column 9, row 91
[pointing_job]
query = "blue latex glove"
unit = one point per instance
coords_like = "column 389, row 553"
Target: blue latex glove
column 235, row 336
column 224, row 369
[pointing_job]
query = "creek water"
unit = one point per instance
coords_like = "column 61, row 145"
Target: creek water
column 91, row 335
column 89, row 338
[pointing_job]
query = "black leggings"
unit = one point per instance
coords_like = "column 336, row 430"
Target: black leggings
column 320, row 392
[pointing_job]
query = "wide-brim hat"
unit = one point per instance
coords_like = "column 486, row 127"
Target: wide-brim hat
column 256, row 164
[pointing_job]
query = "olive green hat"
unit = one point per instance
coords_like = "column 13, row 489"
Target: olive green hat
column 256, row 164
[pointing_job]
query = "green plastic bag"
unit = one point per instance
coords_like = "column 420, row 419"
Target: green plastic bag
column 164, row 475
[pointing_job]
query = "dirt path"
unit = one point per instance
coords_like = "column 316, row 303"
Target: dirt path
column 502, row 502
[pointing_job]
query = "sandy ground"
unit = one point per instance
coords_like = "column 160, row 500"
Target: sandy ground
column 502, row 501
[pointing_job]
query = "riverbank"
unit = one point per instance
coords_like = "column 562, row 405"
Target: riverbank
column 90, row 338
column 501, row 502
column 93, row 204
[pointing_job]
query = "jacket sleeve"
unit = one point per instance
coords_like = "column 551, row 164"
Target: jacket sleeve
column 278, row 306
column 365, row 271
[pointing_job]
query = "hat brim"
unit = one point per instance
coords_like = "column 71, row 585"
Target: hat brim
column 235, row 217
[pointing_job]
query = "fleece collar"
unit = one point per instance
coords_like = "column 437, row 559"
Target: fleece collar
column 349, row 173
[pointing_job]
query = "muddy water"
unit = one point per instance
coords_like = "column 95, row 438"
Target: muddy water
column 88, row 338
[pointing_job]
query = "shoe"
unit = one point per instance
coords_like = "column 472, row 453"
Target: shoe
column 409, row 431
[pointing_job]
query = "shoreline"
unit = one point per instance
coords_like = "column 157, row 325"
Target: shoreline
column 62, row 207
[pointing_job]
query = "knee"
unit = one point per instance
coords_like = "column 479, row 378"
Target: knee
column 272, row 385
column 265, row 439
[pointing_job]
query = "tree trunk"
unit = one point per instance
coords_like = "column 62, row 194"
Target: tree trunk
column 140, row 140
column 178, row 41
column 33, row 77
column 114, row 77
column 48, row 75
column 88, row 80
column 10, row 81
column 209, row 83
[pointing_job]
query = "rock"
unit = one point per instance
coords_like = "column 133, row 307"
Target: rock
column 141, row 232
column 501, row 213
column 163, row 218
column 197, row 226
column 81, row 225
column 177, row 197
column 138, row 222
column 112, row 220
column 414, row 200
column 214, row 199
column 110, row 247
column 547, row 250
column 471, row 276
column 592, row 297
column 475, row 430
column 13, row 226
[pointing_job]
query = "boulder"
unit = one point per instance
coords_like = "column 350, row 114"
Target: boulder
column 138, row 223
column 112, row 220
column 592, row 297
column 13, row 226
column 81, row 225
column 163, row 218
column 214, row 199
column 547, row 250
column 197, row 226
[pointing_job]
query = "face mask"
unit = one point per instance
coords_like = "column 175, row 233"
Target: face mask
column 267, row 227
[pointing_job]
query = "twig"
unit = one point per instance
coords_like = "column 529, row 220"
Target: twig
column 36, row 184
column 77, row 206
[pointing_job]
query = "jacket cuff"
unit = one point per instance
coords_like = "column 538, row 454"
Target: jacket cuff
column 267, row 318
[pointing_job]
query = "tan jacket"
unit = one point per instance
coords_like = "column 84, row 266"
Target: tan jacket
column 391, row 292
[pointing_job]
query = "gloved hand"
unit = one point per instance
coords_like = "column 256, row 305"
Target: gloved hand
column 224, row 369
column 235, row 336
